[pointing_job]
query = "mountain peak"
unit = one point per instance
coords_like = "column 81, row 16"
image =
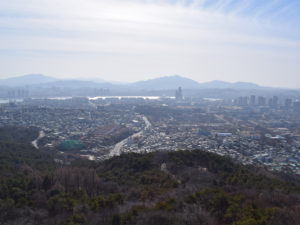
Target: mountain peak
column 167, row 82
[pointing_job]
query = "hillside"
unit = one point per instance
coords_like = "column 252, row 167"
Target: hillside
column 76, row 84
column 217, row 84
column 184, row 187
column 29, row 79
column 166, row 83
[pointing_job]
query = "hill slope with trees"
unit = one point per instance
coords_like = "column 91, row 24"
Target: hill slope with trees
column 176, row 188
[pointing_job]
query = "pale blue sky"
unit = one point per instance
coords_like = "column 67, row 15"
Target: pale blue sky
column 128, row 40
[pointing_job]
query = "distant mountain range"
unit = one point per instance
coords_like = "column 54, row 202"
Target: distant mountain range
column 162, row 83
column 223, row 85
column 29, row 79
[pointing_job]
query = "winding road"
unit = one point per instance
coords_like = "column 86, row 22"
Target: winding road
column 35, row 142
column 118, row 147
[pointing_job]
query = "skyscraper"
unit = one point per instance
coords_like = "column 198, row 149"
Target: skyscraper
column 178, row 94
column 261, row 101
column 252, row 100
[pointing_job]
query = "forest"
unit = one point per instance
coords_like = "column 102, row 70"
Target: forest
column 161, row 188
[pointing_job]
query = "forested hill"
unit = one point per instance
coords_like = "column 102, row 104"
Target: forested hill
column 170, row 188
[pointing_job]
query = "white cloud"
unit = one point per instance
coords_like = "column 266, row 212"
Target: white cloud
column 143, row 38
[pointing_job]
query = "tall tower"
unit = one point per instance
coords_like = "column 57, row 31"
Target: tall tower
column 178, row 94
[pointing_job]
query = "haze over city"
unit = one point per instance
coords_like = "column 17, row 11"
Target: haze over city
column 149, row 112
column 129, row 40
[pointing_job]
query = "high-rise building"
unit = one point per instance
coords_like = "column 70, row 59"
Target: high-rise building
column 178, row 94
column 288, row 103
column 240, row 101
column 261, row 100
column 245, row 100
column 275, row 101
column 297, row 107
column 270, row 102
column 235, row 101
column 252, row 100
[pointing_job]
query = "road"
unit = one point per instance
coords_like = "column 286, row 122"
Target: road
column 118, row 147
column 35, row 142
column 221, row 117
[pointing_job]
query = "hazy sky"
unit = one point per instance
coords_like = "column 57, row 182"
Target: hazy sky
column 128, row 40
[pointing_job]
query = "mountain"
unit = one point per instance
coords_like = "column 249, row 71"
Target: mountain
column 40, row 80
column 216, row 84
column 157, row 84
column 224, row 85
column 29, row 79
column 96, row 80
column 166, row 83
column 173, row 82
column 76, row 84
column 246, row 85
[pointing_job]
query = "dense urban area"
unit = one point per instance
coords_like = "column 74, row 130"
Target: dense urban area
column 252, row 129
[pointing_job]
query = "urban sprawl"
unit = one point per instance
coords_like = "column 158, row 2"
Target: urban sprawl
column 251, row 130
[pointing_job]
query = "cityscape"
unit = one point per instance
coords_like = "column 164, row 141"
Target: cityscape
column 251, row 130
column 149, row 112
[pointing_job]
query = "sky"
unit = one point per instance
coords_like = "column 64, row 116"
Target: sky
column 128, row 40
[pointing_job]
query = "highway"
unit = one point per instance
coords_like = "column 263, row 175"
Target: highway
column 118, row 147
